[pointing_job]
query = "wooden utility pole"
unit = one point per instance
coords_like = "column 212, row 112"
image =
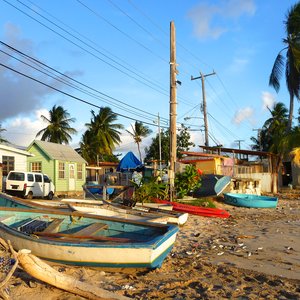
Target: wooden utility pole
column 239, row 142
column 159, row 144
column 173, row 103
column 202, row 77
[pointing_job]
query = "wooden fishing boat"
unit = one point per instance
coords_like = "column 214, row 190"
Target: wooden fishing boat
column 103, row 208
column 144, row 213
column 74, row 238
column 196, row 210
column 106, row 210
column 250, row 200
column 12, row 201
column 211, row 185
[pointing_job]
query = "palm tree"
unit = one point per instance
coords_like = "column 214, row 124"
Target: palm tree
column 88, row 145
column 2, row 140
column 101, row 136
column 296, row 155
column 276, row 125
column 139, row 131
column 58, row 129
column 291, row 62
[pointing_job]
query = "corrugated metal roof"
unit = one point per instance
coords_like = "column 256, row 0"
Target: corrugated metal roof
column 59, row 152
column 240, row 151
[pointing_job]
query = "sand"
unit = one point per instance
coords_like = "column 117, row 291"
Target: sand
column 254, row 254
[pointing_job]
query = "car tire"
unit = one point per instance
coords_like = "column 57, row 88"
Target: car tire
column 50, row 196
column 29, row 196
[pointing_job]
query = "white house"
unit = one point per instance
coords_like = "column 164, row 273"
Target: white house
column 12, row 159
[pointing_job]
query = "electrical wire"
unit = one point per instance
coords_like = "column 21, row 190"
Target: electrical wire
column 76, row 81
column 117, row 66
column 72, row 96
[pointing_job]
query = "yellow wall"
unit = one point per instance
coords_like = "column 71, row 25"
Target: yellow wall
column 209, row 166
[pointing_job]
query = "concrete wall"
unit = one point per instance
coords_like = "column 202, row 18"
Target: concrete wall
column 265, row 180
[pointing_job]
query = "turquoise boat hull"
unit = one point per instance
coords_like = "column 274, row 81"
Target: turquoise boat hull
column 71, row 238
column 249, row 200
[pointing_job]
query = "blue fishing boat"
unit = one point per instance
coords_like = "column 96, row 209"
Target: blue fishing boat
column 9, row 201
column 249, row 200
column 211, row 185
column 76, row 239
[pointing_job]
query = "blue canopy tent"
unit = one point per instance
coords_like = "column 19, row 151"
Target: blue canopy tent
column 129, row 162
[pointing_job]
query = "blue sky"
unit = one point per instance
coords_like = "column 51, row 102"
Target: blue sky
column 119, row 49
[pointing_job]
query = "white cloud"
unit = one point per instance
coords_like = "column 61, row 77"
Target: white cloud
column 19, row 94
column 211, row 21
column 238, row 65
column 243, row 114
column 22, row 131
column 268, row 100
column 202, row 19
column 237, row 8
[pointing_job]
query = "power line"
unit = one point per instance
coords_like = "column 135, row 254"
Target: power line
column 72, row 96
column 70, row 78
column 121, row 31
column 71, row 85
column 160, row 90
column 129, row 36
column 136, row 23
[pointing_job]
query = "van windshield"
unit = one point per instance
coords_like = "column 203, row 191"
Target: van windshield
column 16, row 176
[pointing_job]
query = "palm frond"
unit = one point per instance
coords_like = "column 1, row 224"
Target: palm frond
column 295, row 153
column 277, row 71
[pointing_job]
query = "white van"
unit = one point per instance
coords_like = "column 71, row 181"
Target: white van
column 29, row 185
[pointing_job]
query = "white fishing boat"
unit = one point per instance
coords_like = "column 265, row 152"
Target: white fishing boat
column 74, row 238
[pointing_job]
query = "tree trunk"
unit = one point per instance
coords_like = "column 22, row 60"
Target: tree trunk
column 291, row 111
column 138, row 145
column 42, row 271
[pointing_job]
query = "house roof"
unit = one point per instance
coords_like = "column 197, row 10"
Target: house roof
column 58, row 151
column 239, row 151
column 15, row 150
column 201, row 154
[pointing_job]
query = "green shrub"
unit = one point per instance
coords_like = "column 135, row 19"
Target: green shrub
column 150, row 189
column 187, row 181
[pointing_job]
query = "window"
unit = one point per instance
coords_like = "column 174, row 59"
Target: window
column 79, row 171
column 36, row 167
column 46, row 179
column 71, row 171
column 38, row 178
column 8, row 164
column 61, row 170
column 18, row 176
column 30, row 177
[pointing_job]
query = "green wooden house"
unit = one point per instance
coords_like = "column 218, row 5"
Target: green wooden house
column 61, row 163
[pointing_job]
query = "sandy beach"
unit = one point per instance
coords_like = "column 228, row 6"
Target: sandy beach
column 254, row 254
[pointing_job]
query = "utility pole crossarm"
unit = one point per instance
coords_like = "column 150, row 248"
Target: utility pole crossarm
column 206, row 75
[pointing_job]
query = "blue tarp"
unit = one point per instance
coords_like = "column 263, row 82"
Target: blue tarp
column 129, row 162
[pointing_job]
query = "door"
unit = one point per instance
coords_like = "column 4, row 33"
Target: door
column 38, row 186
column 71, row 177
column 47, row 185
